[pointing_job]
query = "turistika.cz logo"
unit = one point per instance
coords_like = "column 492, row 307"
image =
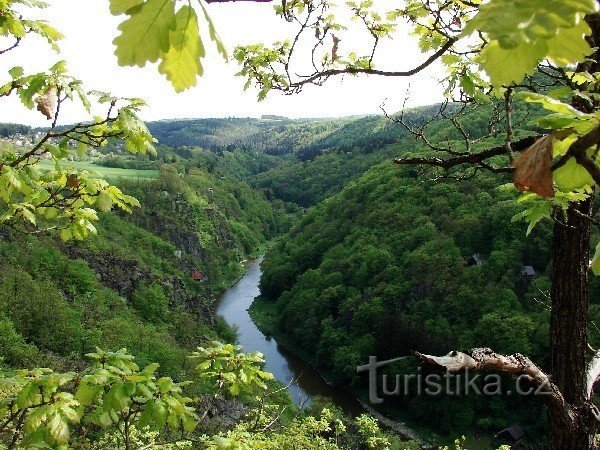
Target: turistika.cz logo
column 384, row 384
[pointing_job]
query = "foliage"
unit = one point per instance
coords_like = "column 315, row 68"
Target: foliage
column 137, row 408
column 60, row 198
column 155, row 30
column 491, row 51
column 128, row 286
column 324, row 431
column 58, row 409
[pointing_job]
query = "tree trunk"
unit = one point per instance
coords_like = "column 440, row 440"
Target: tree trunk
column 568, row 327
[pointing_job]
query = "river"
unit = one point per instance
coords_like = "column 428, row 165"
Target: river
column 307, row 382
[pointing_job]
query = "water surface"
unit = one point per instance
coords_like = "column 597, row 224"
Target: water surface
column 307, row 382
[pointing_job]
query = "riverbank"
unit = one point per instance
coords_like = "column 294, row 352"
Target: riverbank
column 264, row 315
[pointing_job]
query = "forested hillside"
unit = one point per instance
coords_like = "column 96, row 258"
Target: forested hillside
column 287, row 158
column 383, row 269
column 409, row 257
column 378, row 266
column 131, row 285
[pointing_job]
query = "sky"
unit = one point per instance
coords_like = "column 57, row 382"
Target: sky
column 89, row 30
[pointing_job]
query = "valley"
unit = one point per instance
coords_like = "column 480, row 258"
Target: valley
column 300, row 225
column 362, row 259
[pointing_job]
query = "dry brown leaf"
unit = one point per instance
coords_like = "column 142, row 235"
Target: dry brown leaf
column 46, row 103
column 533, row 168
column 72, row 181
column 334, row 49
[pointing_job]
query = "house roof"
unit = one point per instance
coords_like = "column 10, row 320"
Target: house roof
column 528, row 271
column 514, row 433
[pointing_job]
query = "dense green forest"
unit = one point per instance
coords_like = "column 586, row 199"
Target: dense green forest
column 287, row 158
column 385, row 267
column 364, row 257
column 133, row 284
column 377, row 240
column 383, row 242
column 381, row 269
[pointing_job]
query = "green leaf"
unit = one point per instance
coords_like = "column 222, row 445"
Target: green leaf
column 145, row 35
column 549, row 103
column 181, row 64
column 86, row 393
column 16, row 72
column 165, row 384
column 540, row 210
column 214, row 36
column 66, row 234
column 569, row 45
column 572, row 176
column 151, row 368
column 118, row 7
column 596, row 261
column 29, row 395
column 159, row 413
column 104, row 201
column 36, row 418
column 59, row 429
column 189, row 423
column 505, row 67
column 525, row 32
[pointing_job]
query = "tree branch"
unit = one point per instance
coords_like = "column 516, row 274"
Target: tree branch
column 577, row 150
column 478, row 158
column 515, row 365
column 320, row 77
column 593, row 374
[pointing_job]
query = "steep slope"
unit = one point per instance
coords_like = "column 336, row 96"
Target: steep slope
column 132, row 285
column 382, row 269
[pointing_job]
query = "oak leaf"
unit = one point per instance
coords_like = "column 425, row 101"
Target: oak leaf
column 533, row 168
column 46, row 103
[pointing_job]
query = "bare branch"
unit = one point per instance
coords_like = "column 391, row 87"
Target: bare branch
column 515, row 365
column 12, row 47
column 477, row 158
column 321, row 77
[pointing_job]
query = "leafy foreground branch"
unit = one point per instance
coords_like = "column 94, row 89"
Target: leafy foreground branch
column 114, row 404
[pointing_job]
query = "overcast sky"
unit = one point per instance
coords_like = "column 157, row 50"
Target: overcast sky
column 90, row 29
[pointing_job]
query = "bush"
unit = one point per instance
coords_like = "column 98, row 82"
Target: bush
column 13, row 348
column 151, row 303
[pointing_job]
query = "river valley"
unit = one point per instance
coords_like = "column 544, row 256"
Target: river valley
column 302, row 380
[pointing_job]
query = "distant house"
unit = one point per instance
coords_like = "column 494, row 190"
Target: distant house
column 475, row 260
column 511, row 435
column 528, row 271
column 198, row 276
column 273, row 117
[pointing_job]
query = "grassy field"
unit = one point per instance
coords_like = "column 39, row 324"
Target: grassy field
column 105, row 172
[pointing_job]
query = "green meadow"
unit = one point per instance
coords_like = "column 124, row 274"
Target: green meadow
column 105, row 172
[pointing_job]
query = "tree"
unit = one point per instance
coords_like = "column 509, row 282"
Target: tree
column 499, row 54
column 34, row 199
